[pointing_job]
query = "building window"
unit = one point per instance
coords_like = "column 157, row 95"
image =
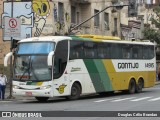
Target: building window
column 96, row 18
column 73, row 14
column 106, row 21
column 115, row 25
column 61, row 12
column 78, row 17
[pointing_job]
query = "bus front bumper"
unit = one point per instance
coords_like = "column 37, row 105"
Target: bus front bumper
column 33, row 93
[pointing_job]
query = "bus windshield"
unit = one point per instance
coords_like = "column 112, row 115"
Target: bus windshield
column 30, row 62
column 35, row 48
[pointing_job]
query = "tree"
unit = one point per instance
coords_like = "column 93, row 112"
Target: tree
column 151, row 33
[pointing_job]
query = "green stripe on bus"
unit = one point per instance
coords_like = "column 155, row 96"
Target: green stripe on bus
column 94, row 75
column 31, row 83
column 103, row 75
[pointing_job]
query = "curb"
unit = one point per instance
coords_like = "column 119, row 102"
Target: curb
column 157, row 83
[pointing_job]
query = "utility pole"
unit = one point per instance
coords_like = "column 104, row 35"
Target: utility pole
column 11, row 75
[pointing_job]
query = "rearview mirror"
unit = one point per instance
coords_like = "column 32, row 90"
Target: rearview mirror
column 6, row 59
column 50, row 59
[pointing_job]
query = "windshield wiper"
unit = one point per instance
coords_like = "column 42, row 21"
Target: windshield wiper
column 24, row 73
column 26, row 67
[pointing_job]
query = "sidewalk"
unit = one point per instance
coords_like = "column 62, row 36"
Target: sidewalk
column 157, row 82
column 32, row 98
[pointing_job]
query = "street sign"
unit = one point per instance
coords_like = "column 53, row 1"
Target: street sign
column 12, row 27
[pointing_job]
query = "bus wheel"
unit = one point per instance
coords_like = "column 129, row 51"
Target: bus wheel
column 139, row 86
column 75, row 92
column 42, row 99
column 132, row 86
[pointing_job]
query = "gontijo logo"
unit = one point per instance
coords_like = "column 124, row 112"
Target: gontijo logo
column 127, row 65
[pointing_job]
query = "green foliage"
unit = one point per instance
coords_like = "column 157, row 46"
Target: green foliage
column 156, row 22
column 156, row 9
column 152, row 34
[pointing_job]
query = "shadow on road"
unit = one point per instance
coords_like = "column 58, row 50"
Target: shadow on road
column 85, row 97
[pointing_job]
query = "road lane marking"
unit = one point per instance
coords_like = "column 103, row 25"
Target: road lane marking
column 123, row 99
column 5, row 101
column 154, row 99
column 140, row 99
column 105, row 100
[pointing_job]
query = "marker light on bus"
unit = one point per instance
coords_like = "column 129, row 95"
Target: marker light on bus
column 15, row 87
column 45, row 87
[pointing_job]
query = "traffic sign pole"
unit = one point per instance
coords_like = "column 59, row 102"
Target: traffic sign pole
column 11, row 75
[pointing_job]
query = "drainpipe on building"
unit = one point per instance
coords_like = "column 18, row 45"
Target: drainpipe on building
column 142, row 28
column 102, row 27
column 119, row 24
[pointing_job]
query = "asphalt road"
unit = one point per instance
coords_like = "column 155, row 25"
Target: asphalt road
column 148, row 100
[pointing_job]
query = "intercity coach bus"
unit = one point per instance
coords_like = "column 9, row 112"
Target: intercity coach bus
column 71, row 66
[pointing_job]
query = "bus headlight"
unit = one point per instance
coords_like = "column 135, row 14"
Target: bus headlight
column 15, row 87
column 45, row 87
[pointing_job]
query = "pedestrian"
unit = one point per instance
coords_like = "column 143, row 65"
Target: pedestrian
column 3, row 82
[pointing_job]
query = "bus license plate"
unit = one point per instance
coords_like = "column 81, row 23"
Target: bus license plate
column 29, row 93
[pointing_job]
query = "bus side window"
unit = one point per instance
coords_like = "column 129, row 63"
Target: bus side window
column 115, row 51
column 126, row 51
column 145, row 52
column 103, row 50
column 151, row 52
column 137, row 52
column 90, row 50
column 60, row 60
column 134, row 53
column 76, row 50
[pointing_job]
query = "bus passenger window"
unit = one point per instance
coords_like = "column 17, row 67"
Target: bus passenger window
column 90, row 50
column 115, row 51
column 76, row 50
column 126, row 51
column 151, row 52
column 136, row 52
column 145, row 52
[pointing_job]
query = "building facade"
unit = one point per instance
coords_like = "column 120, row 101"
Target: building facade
column 59, row 17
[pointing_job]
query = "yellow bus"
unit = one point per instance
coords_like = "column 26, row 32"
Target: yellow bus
column 71, row 66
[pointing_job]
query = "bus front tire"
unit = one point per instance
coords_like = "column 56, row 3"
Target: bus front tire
column 132, row 87
column 42, row 99
column 75, row 92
